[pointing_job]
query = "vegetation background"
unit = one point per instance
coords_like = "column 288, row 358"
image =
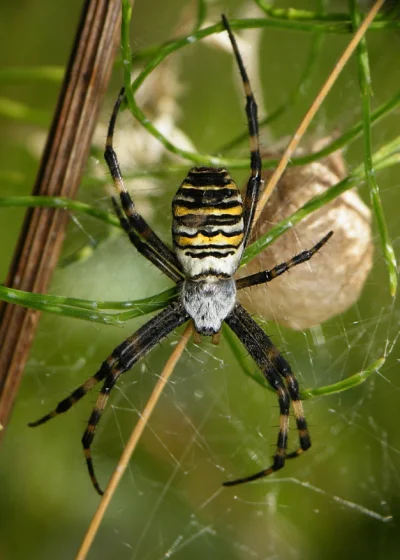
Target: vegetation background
column 213, row 422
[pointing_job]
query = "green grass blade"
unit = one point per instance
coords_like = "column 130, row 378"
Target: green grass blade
column 385, row 157
column 293, row 96
column 365, row 86
column 29, row 74
column 87, row 310
column 201, row 14
column 171, row 46
column 348, row 383
column 17, row 111
column 60, row 202
column 343, row 385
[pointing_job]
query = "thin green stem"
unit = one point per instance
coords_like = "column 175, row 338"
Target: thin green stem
column 160, row 55
column 365, row 86
column 293, row 96
column 125, row 45
column 341, row 141
column 93, row 311
column 343, row 385
column 60, row 202
column 327, row 23
column 348, row 383
column 201, row 159
column 383, row 159
column 201, row 14
column 351, row 135
column 28, row 74
column 293, row 14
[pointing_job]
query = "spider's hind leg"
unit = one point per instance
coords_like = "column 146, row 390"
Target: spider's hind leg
column 74, row 397
column 301, row 422
column 121, row 360
column 279, row 375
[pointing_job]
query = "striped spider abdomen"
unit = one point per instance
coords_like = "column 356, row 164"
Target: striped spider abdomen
column 208, row 224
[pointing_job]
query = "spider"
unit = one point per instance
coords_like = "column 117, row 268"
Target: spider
column 211, row 228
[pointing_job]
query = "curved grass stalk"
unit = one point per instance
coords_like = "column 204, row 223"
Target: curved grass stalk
column 172, row 46
column 119, row 312
column 293, row 14
column 293, row 96
column 385, row 157
column 201, row 14
column 341, row 141
column 98, row 311
column 352, row 381
column 60, row 202
column 104, row 312
column 130, row 89
column 25, row 74
column 17, row 111
column 348, row 383
column 365, row 86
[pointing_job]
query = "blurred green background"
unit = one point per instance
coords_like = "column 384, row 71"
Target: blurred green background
column 213, row 422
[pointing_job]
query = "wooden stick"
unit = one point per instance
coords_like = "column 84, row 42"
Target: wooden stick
column 60, row 171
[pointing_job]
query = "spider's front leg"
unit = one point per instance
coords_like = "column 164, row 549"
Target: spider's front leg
column 268, row 275
column 280, row 376
column 140, row 233
column 255, row 181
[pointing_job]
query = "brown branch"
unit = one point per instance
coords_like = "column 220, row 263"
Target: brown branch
column 60, row 171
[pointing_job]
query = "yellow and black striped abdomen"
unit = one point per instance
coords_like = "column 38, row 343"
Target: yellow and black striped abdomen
column 208, row 223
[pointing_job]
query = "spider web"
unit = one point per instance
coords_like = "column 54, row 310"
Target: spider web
column 213, row 422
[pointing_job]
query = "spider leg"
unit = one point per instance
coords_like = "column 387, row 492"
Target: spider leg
column 274, row 368
column 121, row 360
column 156, row 250
column 268, row 275
column 144, row 248
column 255, row 181
column 74, row 397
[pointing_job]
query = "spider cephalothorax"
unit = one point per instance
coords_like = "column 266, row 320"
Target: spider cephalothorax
column 211, row 228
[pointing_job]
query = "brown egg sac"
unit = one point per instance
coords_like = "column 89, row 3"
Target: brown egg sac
column 332, row 280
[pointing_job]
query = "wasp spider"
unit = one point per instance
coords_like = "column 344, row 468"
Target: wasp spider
column 211, row 228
